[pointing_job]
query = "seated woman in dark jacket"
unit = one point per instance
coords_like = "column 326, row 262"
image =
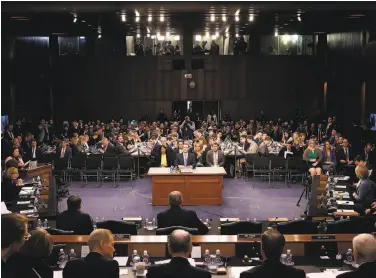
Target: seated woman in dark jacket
column 328, row 157
column 198, row 152
column 165, row 159
column 30, row 260
column 10, row 185
column 15, row 160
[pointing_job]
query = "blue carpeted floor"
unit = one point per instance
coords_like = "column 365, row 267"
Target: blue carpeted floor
column 239, row 200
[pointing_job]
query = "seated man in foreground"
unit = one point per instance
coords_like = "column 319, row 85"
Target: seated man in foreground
column 180, row 247
column 99, row 262
column 185, row 158
column 177, row 216
column 364, row 246
column 272, row 244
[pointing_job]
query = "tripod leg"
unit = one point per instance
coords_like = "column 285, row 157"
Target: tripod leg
column 301, row 195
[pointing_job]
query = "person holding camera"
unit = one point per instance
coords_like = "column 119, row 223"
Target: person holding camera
column 187, row 127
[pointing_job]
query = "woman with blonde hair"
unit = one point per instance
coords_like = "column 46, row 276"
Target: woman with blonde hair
column 30, row 260
column 313, row 157
column 11, row 185
column 198, row 152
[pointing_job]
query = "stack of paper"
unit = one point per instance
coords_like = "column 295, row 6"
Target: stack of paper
column 236, row 270
column 190, row 260
column 121, row 260
column 328, row 273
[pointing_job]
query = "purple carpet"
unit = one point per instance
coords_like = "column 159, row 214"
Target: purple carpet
column 240, row 199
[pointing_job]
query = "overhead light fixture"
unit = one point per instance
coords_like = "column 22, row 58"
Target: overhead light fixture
column 237, row 35
column 299, row 18
column 212, row 18
column 161, row 18
column 167, row 34
column 251, row 17
column 150, row 18
column 75, row 19
column 198, row 38
column 99, row 36
column 148, row 35
column 286, row 39
column 276, row 33
column 216, row 34
column 294, row 38
column 177, row 37
column 153, row 37
column 82, row 38
column 224, row 18
column 236, row 18
column 138, row 36
column 137, row 18
column 214, row 37
column 123, row 19
column 207, row 35
column 137, row 13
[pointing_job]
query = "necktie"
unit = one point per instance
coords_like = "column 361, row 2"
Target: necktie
column 347, row 155
column 62, row 153
column 185, row 160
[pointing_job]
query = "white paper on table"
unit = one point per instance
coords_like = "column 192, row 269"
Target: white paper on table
column 123, row 271
column 4, row 209
column 236, row 270
column 23, row 202
column 121, row 260
column 84, row 251
column 196, row 252
column 345, row 210
column 350, row 203
column 329, row 273
column 190, row 260
column 58, row 274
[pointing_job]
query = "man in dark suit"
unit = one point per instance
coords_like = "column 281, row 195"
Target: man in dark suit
column 34, row 153
column 177, row 216
column 215, row 157
column 26, row 142
column 74, row 219
column 120, row 148
column 155, row 151
column 365, row 190
column 64, row 151
column 272, row 244
column 8, row 134
column 98, row 263
column 171, row 156
column 180, row 247
column 364, row 246
column 105, row 147
column 345, row 157
column 185, row 158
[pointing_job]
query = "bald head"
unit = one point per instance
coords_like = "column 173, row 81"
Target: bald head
column 364, row 248
column 97, row 237
column 180, row 243
column 272, row 243
column 175, row 198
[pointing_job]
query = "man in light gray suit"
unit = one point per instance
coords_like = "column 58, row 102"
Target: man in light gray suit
column 215, row 157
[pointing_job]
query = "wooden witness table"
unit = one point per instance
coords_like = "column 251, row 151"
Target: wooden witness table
column 202, row 187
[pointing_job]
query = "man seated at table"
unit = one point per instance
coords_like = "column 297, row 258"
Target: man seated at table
column 180, row 247
column 177, row 216
column 364, row 246
column 272, row 244
column 215, row 157
column 185, row 158
column 106, row 147
column 99, row 262
column 74, row 219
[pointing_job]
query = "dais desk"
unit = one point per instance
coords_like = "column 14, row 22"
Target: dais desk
column 202, row 187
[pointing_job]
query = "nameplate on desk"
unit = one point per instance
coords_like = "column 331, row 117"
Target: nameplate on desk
column 122, row 236
column 323, row 237
column 249, row 236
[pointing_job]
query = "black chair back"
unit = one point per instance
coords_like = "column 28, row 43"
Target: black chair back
column 261, row 162
column 61, row 163
column 249, row 158
column 53, row 231
column 126, row 162
column 118, row 227
column 93, row 162
column 297, row 227
column 278, row 162
column 78, row 161
column 168, row 230
column 355, row 225
column 110, row 162
column 241, row 227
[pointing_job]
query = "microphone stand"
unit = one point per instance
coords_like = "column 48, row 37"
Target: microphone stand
column 138, row 162
column 235, row 149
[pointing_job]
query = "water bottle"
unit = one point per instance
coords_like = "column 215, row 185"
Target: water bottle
column 38, row 179
column 206, row 257
column 39, row 223
column 146, row 223
column 212, row 262
column 146, row 258
column 45, row 224
column 62, row 259
column 254, row 219
column 349, row 257
column 154, row 224
column 218, row 258
column 37, row 194
column 247, row 219
column 72, row 255
column 95, row 221
column 289, row 258
column 135, row 258
column 283, row 258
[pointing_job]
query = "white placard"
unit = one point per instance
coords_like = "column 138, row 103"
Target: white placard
column 236, row 270
column 190, row 260
column 196, row 252
column 58, row 274
column 121, row 260
column 84, row 251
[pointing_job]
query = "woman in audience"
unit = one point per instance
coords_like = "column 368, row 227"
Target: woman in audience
column 202, row 142
column 286, row 138
column 10, row 185
column 328, row 156
column 15, row 160
column 164, row 161
column 30, row 260
column 198, row 152
column 313, row 157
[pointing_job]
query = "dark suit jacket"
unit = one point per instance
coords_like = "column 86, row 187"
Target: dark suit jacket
column 29, row 154
column 76, row 221
column 283, row 149
column 120, row 149
column 67, row 154
column 21, row 266
column 366, row 270
column 9, row 190
column 191, row 160
column 341, row 154
column 110, row 148
column 273, row 269
column 177, row 216
column 94, row 265
column 365, row 193
column 178, row 267
column 210, row 158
